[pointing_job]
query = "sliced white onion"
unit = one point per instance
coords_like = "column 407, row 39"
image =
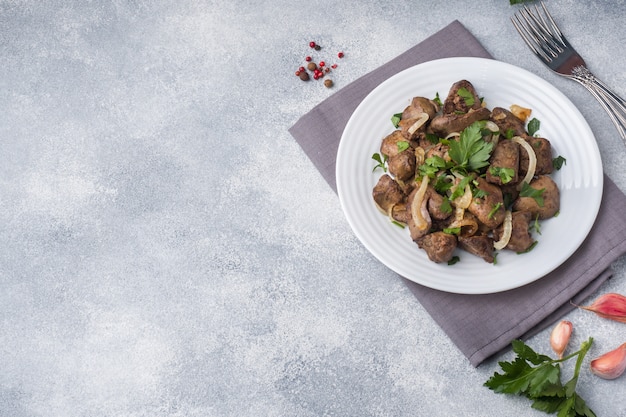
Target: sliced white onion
column 416, row 206
column 495, row 132
column 468, row 226
column 492, row 126
column 507, row 229
column 532, row 160
column 464, row 200
column 423, row 118
column 453, row 135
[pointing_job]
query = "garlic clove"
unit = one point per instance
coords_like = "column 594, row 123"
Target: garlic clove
column 610, row 365
column 610, row 306
column 559, row 338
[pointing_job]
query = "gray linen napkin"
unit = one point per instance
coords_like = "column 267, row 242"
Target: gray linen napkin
column 479, row 325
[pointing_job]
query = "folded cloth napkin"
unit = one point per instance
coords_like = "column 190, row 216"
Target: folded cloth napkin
column 479, row 325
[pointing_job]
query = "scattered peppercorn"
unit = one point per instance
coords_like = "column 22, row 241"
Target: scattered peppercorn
column 317, row 70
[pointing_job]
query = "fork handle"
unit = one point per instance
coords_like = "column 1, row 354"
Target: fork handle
column 614, row 105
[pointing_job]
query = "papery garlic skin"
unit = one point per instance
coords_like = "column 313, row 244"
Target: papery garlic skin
column 610, row 365
column 610, row 306
column 559, row 338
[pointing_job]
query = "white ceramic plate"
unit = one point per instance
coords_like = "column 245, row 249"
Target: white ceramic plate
column 501, row 85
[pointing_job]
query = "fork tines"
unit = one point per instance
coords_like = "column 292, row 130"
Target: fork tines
column 540, row 32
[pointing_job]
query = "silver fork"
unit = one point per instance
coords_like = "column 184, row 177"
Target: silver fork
column 544, row 38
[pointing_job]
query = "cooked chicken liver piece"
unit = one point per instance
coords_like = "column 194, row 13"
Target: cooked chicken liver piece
column 521, row 238
column 543, row 152
column 550, row 195
column 439, row 246
column 483, row 207
column 508, row 123
column 479, row 245
column 444, row 124
column 458, row 103
column 402, row 165
column 504, row 155
column 387, row 192
column 389, row 145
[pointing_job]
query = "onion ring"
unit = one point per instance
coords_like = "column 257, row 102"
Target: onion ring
column 532, row 160
column 507, row 230
column 416, row 213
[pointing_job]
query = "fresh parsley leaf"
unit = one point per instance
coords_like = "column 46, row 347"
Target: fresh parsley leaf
column 402, row 145
column 535, row 226
column 432, row 138
column 431, row 166
column 446, row 207
column 460, row 188
column 466, row 95
column 395, row 119
column 505, row 174
column 382, row 162
column 437, row 100
column 533, row 126
column 558, row 162
column 470, row 152
column 494, row 210
column 442, row 184
column 478, row 193
column 528, row 191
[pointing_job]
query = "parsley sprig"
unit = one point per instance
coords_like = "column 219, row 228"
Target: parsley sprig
column 471, row 152
column 538, row 378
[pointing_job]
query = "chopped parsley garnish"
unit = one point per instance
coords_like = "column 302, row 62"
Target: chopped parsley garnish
column 454, row 260
column 395, row 119
column 446, row 207
column 452, row 230
column 466, row 95
column 494, row 210
column 432, row 138
column 528, row 191
column 432, row 165
column 509, row 133
column 460, row 189
column 437, row 100
column 442, row 184
column 505, row 174
column 558, row 162
column 402, row 145
column 533, row 126
column 382, row 162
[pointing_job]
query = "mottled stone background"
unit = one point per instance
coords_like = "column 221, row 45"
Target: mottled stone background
column 168, row 249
